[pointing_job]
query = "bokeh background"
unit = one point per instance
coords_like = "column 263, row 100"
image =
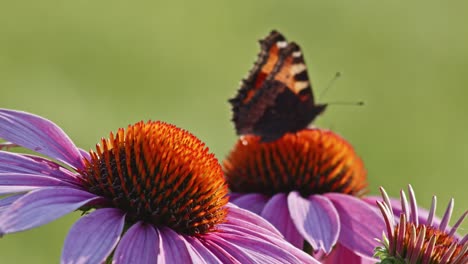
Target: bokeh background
column 95, row 66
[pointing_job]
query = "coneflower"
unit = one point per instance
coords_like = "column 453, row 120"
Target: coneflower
column 410, row 240
column 309, row 185
column 152, row 193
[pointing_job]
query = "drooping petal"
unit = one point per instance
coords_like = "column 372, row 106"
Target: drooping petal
column 316, row 219
column 243, row 218
column 199, row 253
column 360, row 224
column 42, row 206
column 7, row 201
column 5, row 190
column 93, row 237
column 30, row 164
column 340, row 253
column 140, row 244
column 8, row 180
column 84, row 154
column 253, row 202
column 39, row 134
column 234, row 195
column 173, row 249
column 255, row 249
column 275, row 240
column 221, row 253
column 242, row 255
column 277, row 213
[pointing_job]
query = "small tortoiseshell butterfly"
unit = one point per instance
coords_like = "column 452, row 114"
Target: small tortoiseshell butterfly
column 276, row 97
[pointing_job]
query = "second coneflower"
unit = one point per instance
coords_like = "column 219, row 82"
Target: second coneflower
column 307, row 184
column 415, row 240
column 152, row 193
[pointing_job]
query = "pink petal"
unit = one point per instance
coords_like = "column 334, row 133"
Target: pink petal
column 360, row 224
column 243, row 218
column 39, row 134
column 275, row 240
column 42, row 206
column 316, row 219
column 340, row 253
column 199, row 253
column 253, row 202
column 5, row 190
column 173, row 247
column 218, row 251
column 84, row 154
column 233, row 196
column 22, row 179
column 140, row 244
column 255, row 249
column 277, row 213
column 30, row 164
column 93, row 238
column 7, row 201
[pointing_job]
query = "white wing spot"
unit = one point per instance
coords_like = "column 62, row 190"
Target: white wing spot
column 281, row 44
column 297, row 54
column 298, row 68
column 298, row 86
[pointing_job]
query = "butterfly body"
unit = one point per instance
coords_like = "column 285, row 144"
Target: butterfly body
column 276, row 97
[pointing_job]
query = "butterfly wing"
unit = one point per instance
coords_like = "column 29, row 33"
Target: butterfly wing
column 276, row 97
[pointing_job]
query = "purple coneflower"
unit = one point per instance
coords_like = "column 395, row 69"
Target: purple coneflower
column 152, row 193
column 410, row 240
column 308, row 185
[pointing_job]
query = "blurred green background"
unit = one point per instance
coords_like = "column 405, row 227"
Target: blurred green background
column 95, row 66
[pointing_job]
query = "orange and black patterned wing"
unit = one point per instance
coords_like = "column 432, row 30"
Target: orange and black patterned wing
column 276, row 97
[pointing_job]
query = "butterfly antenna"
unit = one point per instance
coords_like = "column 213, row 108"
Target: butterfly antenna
column 330, row 84
column 346, row 103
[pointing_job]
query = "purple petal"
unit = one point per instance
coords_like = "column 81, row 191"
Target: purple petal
column 243, row 218
column 42, row 206
column 457, row 224
column 255, row 249
column 253, row 202
column 39, row 134
column 140, row 244
column 240, row 254
column 278, row 241
column 360, row 224
column 173, row 248
column 341, row 253
column 7, row 201
column 316, row 219
column 21, row 179
column 414, row 206
column 93, row 237
column 84, row 154
column 217, row 250
column 446, row 218
column 233, row 196
column 277, row 213
column 5, row 190
column 29, row 164
column 200, row 253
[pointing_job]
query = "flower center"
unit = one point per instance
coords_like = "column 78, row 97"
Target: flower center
column 311, row 161
column 159, row 174
column 435, row 246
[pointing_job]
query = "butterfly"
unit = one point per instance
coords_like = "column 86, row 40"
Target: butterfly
column 276, row 97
